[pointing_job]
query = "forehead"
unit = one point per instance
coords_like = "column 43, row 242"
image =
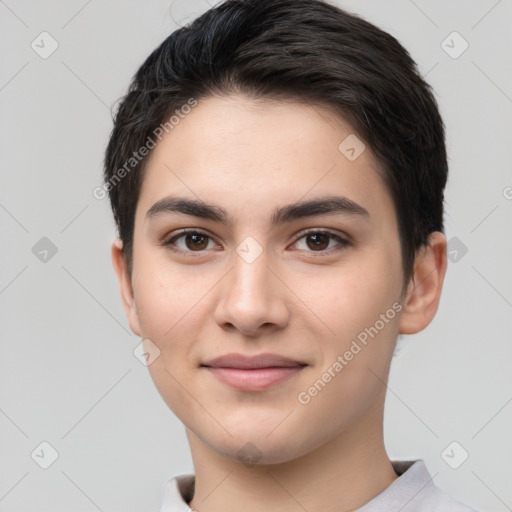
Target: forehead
column 247, row 154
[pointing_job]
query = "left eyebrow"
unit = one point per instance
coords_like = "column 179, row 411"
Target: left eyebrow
column 328, row 205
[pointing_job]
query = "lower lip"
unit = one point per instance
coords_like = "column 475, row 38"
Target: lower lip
column 254, row 379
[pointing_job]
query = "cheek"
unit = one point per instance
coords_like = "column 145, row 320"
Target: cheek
column 170, row 311
column 361, row 309
column 173, row 309
column 350, row 298
column 157, row 305
column 166, row 294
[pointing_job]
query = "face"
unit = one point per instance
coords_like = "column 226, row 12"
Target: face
column 257, row 273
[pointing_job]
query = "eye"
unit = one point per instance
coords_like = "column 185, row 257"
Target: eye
column 190, row 241
column 321, row 241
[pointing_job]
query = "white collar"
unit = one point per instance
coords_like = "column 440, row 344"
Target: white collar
column 413, row 490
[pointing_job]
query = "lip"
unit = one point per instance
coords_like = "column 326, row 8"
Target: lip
column 253, row 373
column 244, row 362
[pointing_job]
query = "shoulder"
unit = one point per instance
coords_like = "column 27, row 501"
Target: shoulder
column 413, row 491
column 434, row 499
column 439, row 501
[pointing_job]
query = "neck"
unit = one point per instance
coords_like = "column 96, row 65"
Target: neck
column 340, row 475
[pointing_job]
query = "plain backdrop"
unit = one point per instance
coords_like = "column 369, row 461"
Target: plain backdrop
column 68, row 375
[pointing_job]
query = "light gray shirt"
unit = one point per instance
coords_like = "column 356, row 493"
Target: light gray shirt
column 412, row 491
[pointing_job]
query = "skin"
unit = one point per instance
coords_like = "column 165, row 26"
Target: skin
column 250, row 157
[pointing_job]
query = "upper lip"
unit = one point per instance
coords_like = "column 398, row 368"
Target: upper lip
column 247, row 362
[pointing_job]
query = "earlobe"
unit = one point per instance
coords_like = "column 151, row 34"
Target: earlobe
column 424, row 290
column 125, row 284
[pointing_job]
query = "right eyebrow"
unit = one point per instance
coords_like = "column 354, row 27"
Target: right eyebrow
column 193, row 207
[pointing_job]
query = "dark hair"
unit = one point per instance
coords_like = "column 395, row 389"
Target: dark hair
column 306, row 50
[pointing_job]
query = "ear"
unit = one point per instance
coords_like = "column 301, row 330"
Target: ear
column 424, row 289
column 125, row 284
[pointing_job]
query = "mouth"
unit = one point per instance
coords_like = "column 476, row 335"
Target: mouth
column 253, row 373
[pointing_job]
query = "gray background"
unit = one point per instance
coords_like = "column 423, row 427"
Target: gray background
column 67, row 372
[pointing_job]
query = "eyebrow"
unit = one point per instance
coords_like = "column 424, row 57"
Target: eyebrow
column 328, row 205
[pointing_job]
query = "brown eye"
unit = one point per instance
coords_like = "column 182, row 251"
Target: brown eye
column 318, row 241
column 190, row 241
column 196, row 241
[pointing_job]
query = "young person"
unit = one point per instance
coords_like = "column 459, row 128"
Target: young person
column 276, row 173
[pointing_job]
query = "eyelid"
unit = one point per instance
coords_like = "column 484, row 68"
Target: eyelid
column 343, row 240
column 185, row 231
column 327, row 231
column 169, row 241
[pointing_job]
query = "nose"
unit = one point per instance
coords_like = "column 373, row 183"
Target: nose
column 253, row 298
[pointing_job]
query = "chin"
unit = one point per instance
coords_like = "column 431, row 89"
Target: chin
column 262, row 452
column 252, row 447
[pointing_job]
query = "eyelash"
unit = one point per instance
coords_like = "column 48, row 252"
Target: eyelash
column 342, row 242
